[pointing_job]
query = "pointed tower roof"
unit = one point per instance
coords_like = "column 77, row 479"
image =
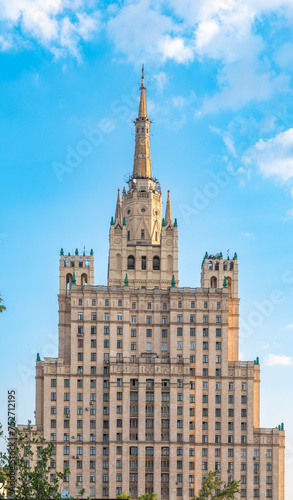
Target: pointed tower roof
column 118, row 214
column 168, row 215
column 142, row 112
column 142, row 167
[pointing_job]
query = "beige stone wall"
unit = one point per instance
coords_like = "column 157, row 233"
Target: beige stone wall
column 142, row 303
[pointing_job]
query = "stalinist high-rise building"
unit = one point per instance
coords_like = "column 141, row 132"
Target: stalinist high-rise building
column 148, row 393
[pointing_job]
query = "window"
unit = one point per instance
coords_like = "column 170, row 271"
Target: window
column 205, row 358
column 149, row 333
column 218, row 319
column 119, row 330
column 149, row 346
column 192, row 318
column 179, row 318
column 119, row 317
column 164, row 346
column 156, row 263
column 149, row 320
column 218, row 359
column 143, row 262
column 164, row 320
column 179, row 345
column 244, row 386
column 133, row 319
column 218, row 332
column 192, row 332
column 93, row 316
column 142, row 234
column 205, row 346
column 80, row 315
column 119, row 344
column 106, row 317
column 54, row 382
column 218, row 346
column 94, row 330
column 192, row 345
column 205, row 318
column 130, row 262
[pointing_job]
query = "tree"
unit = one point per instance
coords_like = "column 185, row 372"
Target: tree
column 2, row 307
column 216, row 489
column 30, row 481
column 124, row 496
column 147, row 496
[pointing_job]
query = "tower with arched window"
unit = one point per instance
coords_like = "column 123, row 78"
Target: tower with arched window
column 143, row 240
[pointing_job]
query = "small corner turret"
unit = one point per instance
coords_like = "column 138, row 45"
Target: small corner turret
column 75, row 270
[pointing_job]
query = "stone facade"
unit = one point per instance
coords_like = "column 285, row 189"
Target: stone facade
column 148, row 393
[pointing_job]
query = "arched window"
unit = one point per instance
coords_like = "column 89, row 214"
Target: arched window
column 68, row 281
column 213, row 282
column 81, row 262
column 131, row 262
column 156, row 263
column 225, row 266
column 72, row 261
column 84, row 279
column 211, row 264
column 217, row 266
column 231, row 266
column 65, row 261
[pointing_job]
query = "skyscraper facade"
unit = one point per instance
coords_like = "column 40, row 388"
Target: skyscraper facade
column 148, row 393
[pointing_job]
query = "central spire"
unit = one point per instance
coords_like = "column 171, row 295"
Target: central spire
column 142, row 167
column 142, row 113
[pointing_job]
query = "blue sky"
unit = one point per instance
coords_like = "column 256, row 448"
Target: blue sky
column 219, row 87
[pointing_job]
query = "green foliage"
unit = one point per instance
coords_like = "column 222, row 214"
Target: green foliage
column 216, row 489
column 31, row 481
column 124, row 496
column 2, row 307
column 147, row 496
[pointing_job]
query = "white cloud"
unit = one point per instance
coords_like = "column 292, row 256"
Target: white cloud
column 277, row 360
column 176, row 49
column 227, row 139
column 58, row 25
column 178, row 101
column 290, row 212
column 274, row 157
column 290, row 326
column 138, row 31
column 160, row 80
column 247, row 236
